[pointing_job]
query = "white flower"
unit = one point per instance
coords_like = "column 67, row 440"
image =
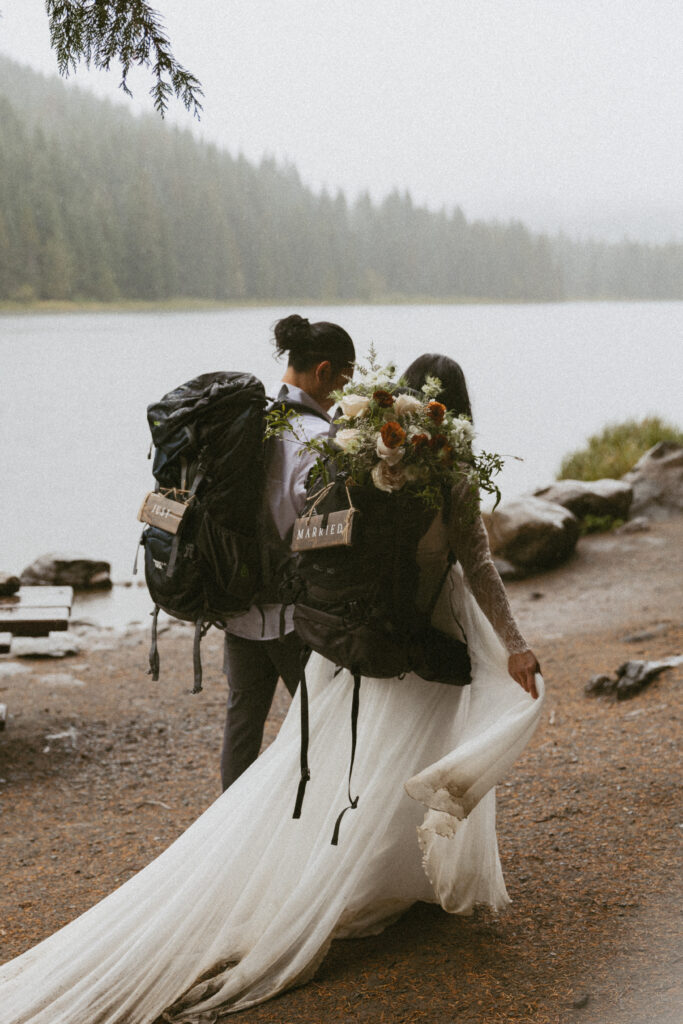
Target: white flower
column 389, row 455
column 355, row 405
column 347, row 439
column 414, row 430
column 388, row 478
column 461, row 433
column 407, row 405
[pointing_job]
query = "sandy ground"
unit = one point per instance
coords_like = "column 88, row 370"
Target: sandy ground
column 100, row 768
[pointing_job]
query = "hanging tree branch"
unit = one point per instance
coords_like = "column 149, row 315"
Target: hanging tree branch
column 130, row 31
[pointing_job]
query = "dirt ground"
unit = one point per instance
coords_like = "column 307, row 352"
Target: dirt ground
column 101, row 768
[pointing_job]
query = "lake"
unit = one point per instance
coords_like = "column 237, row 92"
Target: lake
column 74, row 390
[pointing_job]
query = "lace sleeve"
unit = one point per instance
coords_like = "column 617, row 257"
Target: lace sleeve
column 469, row 543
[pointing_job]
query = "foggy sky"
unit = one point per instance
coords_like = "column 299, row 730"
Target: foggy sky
column 563, row 113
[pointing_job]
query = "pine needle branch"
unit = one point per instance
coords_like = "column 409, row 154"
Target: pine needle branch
column 97, row 32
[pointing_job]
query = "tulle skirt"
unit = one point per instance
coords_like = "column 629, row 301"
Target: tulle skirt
column 246, row 902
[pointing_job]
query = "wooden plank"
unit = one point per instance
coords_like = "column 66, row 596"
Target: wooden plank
column 5, row 642
column 3, row 716
column 33, row 621
column 38, row 597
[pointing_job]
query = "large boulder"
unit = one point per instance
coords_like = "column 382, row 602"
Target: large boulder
column 590, row 497
column 531, row 533
column 657, row 482
column 68, row 571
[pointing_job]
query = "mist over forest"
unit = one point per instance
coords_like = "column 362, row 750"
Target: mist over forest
column 96, row 204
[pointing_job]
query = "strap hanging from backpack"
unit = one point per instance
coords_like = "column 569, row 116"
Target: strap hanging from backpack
column 353, row 800
column 154, row 650
column 305, row 772
column 201, row 628
column 176, row 540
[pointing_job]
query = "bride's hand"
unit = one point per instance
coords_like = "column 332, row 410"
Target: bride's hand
column 523, row 667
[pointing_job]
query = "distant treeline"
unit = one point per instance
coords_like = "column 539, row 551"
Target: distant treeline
column 98, row 204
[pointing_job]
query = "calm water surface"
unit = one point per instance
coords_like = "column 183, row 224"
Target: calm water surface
column 74, row 390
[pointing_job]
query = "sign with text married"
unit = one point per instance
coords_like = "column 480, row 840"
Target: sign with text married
column 332, row 530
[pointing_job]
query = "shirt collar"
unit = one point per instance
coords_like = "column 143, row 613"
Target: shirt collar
column 302, row 397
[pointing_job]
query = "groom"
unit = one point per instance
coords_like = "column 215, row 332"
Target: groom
column 255, row 652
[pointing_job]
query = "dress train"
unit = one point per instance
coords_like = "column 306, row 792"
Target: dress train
column 246, row 902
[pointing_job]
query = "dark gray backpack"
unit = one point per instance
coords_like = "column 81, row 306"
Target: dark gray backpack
column 354, row 601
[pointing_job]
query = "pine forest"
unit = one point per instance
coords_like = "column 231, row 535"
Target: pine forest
column 97, row 204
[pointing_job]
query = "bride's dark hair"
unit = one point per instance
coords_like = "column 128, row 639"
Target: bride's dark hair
column 453, row 392
column 307, row 344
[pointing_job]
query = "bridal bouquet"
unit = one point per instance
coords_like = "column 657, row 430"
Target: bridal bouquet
column 395, row 439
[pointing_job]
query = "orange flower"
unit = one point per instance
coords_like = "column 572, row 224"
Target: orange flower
column 436, row 412
column 439, row 441
column 420, row 442
column 384, row 399
column 392, row 433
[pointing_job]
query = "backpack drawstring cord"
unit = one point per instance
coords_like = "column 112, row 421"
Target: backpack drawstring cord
column 305, row 771
column 200, row 630
column 353, row 800
column 154, row 650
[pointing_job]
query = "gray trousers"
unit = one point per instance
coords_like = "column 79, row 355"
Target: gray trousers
column 253, row 668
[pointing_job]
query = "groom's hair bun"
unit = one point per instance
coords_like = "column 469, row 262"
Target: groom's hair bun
column 308, row 344
column 293, row 334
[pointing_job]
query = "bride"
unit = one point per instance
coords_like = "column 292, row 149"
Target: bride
column 246, row 902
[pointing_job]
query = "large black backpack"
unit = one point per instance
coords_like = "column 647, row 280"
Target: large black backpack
column 355, row 601
column 208, row 554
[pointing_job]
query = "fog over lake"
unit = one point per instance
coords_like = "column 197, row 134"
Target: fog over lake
column 74, row 392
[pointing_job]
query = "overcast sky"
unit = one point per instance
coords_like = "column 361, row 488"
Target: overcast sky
column 563, row 113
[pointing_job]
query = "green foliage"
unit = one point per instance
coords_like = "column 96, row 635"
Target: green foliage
column 616, row 449
column 599, row 524
column 130, row 31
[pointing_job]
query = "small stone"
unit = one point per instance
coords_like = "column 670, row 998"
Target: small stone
column 60, row 679
column 645, row 634
column 638, row 525
column 9, row 584
column 581, row 1001
column 600, row 684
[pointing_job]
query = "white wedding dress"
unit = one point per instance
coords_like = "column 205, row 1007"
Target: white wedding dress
column 246, row 902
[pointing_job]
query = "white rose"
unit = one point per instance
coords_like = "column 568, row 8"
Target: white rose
column 355, row 405
column 414, row 430
column 407, row 405
column 390, row 455
column 347, row 439
column 388, row 478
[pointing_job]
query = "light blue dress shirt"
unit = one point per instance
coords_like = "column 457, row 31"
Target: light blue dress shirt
column 285, row 496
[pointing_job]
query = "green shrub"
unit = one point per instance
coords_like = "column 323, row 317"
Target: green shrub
column 617, row 449
column 599, row 524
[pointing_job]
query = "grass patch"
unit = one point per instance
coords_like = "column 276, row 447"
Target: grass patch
column 617, row 449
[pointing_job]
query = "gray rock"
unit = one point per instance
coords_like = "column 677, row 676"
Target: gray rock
column 631, row 678
column 532, row 533
column 9, row 584
column 590, row 497
column 68, row 570
column 657, row 482
column 634, row 676
column 645, row 634
column 638, row 525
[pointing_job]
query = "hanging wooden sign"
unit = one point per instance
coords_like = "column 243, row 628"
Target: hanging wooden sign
column 163, row 512
column 332, row 530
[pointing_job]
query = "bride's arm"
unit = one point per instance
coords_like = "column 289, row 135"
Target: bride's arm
column 469, row 543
